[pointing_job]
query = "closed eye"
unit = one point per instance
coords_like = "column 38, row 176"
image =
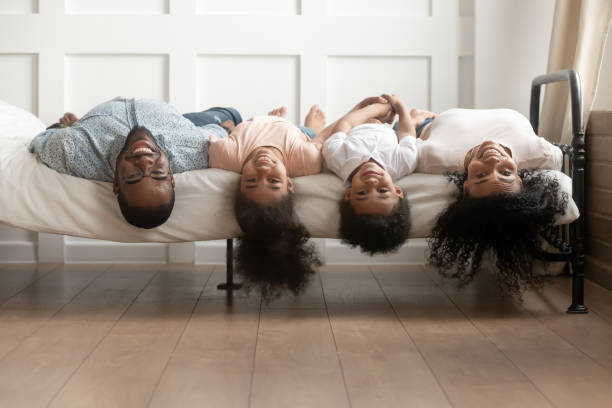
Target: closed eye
column 159, row 175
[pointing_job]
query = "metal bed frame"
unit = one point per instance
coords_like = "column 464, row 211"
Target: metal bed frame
column 569, row 243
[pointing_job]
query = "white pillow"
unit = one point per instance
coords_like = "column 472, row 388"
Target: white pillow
column 16, row 123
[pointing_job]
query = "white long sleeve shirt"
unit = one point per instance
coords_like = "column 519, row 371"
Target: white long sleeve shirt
column 344, row 153
column 454, row 132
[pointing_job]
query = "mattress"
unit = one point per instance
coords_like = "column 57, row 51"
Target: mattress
column 34, row 197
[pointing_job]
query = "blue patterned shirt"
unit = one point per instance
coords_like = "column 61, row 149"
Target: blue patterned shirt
column 89, row 148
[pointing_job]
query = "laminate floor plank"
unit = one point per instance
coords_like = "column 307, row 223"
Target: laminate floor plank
column 16, row 277
column 36, row 370
column 589, row 333
column 472, row 371
column 566, row 375
column 126, row 366
column 395, row 335
column 382, row 366
column 30, row 309
column 311, row 298
column 296, row 362
column 213, row 362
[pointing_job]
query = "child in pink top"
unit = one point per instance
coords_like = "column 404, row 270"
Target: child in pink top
column 268, row 151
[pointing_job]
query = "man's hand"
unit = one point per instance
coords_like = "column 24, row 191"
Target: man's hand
column 68, row 119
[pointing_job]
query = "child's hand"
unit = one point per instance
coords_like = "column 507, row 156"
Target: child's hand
column 388, row 116
column 395, row 102
column 382, row 112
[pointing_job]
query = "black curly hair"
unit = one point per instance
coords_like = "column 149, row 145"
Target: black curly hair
column 145, row 217
column 375, row 234
column 273, row 255
column 507, row 225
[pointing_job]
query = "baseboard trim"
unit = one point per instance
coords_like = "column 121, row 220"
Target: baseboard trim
column 18, row 252
column 411, row 253
column 204, row 253
column 76, row 251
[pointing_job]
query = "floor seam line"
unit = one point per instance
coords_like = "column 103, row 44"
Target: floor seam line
column 178, row 340
column 103, row 337
column 331, row 330
column 431, row 370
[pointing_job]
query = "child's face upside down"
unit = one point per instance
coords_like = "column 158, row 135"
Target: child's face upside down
column 372, row 190
column 264, row 177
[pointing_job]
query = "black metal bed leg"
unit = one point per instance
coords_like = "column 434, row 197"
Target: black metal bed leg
column 229, row 284
column 578, row 306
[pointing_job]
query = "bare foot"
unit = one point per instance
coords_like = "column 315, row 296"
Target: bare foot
column 315, row 119
column 282, row 112
column 419, row 115
column 228, row 125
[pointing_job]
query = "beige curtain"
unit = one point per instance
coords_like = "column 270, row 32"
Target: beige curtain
column 580, row 30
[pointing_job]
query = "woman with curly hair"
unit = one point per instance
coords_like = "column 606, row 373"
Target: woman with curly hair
column 504, row 201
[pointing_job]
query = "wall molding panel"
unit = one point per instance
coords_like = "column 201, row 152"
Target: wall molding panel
column 69, row 55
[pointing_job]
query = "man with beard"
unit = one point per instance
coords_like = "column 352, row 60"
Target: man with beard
column 137, row 145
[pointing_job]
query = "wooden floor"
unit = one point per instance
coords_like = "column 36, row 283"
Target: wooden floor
column 163, row 336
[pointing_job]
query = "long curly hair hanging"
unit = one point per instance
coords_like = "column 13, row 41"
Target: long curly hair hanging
column 274, row 254
column 508, row 226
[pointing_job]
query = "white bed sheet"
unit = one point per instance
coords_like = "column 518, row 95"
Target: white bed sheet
column 34, row 197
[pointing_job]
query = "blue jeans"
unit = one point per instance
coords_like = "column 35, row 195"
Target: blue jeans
column 214, row 116
column 217, row 116
column 419, row 128
column 307, row 131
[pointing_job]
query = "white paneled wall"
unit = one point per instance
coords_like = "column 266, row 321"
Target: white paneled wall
column 351, row 77
column 69, row 55
column 112, row 75
column 221, row 80
column 18, row 6
column 249, row 7
column 21, row 71
column 116, row 6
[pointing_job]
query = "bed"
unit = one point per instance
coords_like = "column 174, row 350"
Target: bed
column 36, row 198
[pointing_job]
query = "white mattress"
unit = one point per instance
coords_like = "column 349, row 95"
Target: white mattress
column 34, row 197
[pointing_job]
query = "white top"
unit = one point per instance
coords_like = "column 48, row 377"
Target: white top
column 344, row 153
column 454, row 132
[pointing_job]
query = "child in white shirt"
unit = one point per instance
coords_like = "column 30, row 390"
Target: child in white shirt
column 369, row 156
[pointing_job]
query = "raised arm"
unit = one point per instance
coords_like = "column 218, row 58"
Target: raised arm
column 329, row 130
column 360, row 116
column 408, row 119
